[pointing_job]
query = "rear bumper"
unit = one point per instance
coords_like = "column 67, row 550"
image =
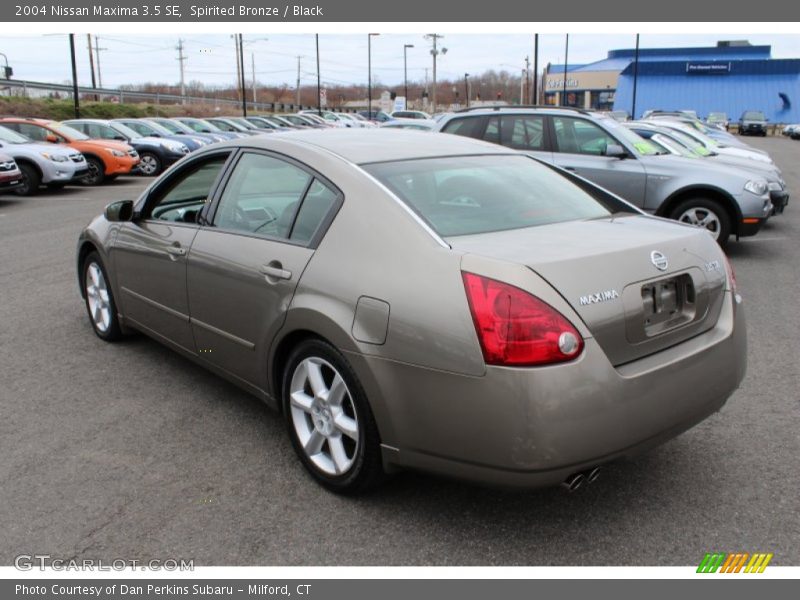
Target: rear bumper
column 534, row 427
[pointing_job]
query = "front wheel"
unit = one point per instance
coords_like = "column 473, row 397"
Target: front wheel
column 30, row 181
column 97, row 172
column 149, row 164
column 100, row 299
column 329, row 419
column 702, row 212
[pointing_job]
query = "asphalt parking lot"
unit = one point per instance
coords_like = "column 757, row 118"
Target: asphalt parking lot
column 130, row 451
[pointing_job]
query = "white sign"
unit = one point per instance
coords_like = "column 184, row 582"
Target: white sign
column 323, row 97
column 400, row 103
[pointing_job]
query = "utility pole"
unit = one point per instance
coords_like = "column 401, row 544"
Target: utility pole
column 181, row 60
column 566, row 60
column 253, row 71
column 75, row 99
column 319, row 87
column 535, row 95
column 238, row 66
column 466, row 88
column 522, row 87
column 434, row 37
column 298, row 82
column 241, row 72
column 91, row 60
column 528, row 78
column 97, row 50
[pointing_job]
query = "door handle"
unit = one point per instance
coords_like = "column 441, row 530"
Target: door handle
column 275, row 271
column 176, row 251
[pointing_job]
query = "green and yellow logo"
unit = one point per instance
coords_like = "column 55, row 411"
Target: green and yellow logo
column 734, row 563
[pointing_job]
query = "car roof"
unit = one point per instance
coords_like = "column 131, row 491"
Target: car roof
column 362, row 146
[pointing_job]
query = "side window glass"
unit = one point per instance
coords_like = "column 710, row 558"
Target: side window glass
column 32, row 131
column 184, row 197
column 262, row 196
column 315, row 207
column 492, row 133
column 523, row 132
column 468, row 127
column 577, row 136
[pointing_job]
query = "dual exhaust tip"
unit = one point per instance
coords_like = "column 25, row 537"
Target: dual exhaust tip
column 576, row 480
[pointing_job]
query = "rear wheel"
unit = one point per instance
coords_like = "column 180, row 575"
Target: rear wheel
column 99, row 299
column 97, row 172
column 329, row 419
column 149, row 164
column 30, row 181
column 709, row 214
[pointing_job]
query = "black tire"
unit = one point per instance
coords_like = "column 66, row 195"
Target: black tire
column 97, row 172
column 56, row 186
column 150, row 164
column 113, row 331
column 110, row 178
column 705, row 206
column 366, row 470
column 31, row 180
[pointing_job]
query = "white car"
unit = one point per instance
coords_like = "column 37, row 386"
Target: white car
column 716, row 146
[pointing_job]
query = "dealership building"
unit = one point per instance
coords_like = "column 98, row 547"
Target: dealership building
column 730, row 77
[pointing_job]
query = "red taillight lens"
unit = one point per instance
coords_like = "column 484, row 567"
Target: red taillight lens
column 516, row 328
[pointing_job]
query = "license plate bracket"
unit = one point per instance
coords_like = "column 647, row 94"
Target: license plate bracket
column 668, row 303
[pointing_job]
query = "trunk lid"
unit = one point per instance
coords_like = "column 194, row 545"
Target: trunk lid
column 640, row 284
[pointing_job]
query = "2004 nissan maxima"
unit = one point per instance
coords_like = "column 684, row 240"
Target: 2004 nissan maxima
column 427, row 302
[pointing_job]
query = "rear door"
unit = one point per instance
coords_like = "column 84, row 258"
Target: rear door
column 243, row 269
column 580, row 146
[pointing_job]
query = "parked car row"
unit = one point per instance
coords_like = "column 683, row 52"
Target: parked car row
column 670, row 165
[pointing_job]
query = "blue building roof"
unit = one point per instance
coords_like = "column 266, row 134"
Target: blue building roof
column 560, row 68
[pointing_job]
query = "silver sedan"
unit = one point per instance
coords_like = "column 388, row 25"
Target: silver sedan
column 424, row 302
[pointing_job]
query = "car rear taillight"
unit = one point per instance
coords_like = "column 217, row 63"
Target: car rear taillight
column 515, row 328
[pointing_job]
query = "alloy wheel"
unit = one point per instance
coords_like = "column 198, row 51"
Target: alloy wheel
column 702, row 217
column 98, row 298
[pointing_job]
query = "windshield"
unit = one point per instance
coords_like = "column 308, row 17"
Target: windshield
column 716, row 116
column 464, row 195
column 68, row 131
column 12, row 137
column 125, row 131
column 200, row 126
column 243, row 122
column 171, row 126
column 672, row 146
column 157, row 127
column 641, row 145
column 754, row 115
column 690, row 143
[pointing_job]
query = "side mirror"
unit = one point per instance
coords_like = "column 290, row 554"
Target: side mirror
column 51, row 138
column 119, row 211
column 155, row 134
column 616, row 151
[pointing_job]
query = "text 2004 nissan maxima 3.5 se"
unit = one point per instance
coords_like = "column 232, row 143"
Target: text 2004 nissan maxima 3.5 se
column 428, row 302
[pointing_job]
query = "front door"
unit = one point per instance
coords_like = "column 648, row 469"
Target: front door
column 580, row 147
column 149, row 253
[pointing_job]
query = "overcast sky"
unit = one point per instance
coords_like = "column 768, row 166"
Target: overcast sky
column 211, row 58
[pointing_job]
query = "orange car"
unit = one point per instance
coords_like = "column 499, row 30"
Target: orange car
column 106, row 158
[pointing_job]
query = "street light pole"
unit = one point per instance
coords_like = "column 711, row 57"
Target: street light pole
column 566, row 60
column 242, row 83
column 369, row 74
column 466, row 88
column 635, row 78
column 405, row 71
column 535, row 95
column 319, row 87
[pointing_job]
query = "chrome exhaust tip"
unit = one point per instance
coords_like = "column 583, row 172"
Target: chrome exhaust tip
column 591, row 476
column 573, row 482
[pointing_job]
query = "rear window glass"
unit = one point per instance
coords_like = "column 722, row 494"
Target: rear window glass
column 465, row 195
column 468, row 127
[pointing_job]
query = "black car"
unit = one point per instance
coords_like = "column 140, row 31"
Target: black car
column 753, row 122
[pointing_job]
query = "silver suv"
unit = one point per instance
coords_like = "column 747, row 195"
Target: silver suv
column 723, row 199
column 40, row 164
